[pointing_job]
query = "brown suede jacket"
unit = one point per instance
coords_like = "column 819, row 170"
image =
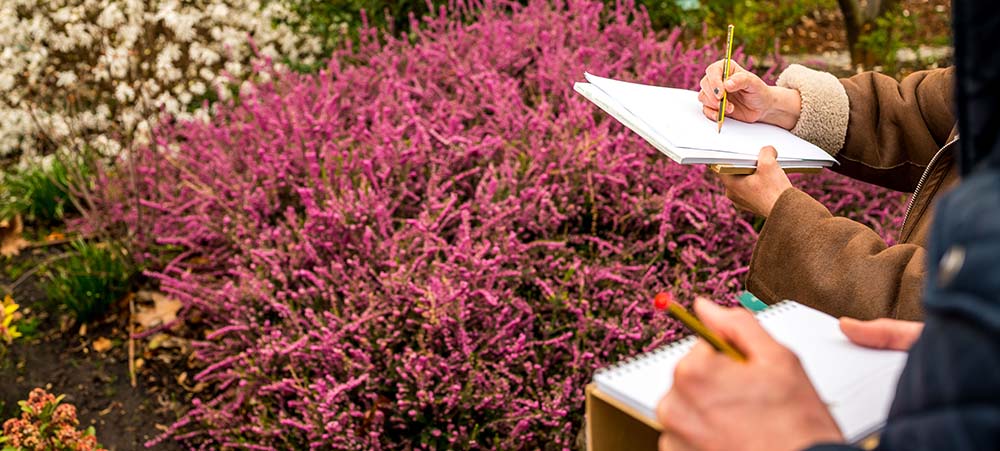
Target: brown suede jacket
column 900, row 135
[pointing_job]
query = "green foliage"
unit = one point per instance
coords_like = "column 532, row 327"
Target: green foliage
column 41, row 193
column 879, row 41
column 335, row 20
column 90, row 279
column 757, row 22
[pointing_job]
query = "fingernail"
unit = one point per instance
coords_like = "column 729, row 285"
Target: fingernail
column 730, row 108
column 730, row 84
column 716, row 92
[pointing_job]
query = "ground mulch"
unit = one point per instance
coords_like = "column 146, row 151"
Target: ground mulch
column 60, row 356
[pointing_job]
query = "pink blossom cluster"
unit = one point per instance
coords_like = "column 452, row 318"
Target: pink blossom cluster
column 434, row 242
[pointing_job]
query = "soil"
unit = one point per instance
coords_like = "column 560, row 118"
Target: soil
column 60, row 356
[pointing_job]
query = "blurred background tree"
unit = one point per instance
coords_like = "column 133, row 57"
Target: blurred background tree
column 862, row 19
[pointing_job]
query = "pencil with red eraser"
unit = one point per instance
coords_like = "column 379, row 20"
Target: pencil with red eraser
column 664, row 301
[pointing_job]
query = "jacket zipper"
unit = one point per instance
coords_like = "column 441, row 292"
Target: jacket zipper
column 920, row 183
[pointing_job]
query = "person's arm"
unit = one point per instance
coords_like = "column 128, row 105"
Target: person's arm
column 881, row 131
column 833, row 264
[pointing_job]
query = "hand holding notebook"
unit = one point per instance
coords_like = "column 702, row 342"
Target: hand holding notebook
column 770, row 385
column 673, row 121
column 851, row 384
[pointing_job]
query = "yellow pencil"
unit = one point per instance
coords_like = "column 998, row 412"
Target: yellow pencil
column 725, row 75
column 665, row 301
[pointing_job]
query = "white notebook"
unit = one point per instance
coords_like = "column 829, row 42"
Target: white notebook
column 857, row 383
column 672, row 121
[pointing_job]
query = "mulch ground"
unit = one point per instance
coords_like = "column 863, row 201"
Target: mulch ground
column 61, row 357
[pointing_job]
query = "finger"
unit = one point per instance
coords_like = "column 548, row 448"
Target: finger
column 737, row 326
column 882, row 333
column 713, row 77
column 710, row 112
column 694, row 366
column 767, row 159
column 707, row 99
column 673, row 442
column 743, row 81
column 681, row 421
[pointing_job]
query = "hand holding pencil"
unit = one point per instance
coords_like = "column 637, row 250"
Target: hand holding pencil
column 764, row 402
column 748, row 98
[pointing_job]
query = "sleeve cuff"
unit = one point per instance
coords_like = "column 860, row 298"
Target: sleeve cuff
column 825, row 107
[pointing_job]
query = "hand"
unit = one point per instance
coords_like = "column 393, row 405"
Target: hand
column 765, row 403
column 758, row 192
column 749, row 98
column 882, row 333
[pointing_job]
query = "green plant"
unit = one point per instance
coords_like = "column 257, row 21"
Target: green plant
column 90, row 279
column 333, row 21
column 755, row 20
column 882, row 38
column 47, row 425
column 40, row 192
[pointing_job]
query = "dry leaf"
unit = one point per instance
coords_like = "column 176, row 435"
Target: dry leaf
column 55, row 236
column 102, row 344
column 162, row 311
column 11, row 241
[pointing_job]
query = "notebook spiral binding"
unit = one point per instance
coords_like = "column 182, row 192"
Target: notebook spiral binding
column 638, row 361
column 777, row 308
column 681, row 346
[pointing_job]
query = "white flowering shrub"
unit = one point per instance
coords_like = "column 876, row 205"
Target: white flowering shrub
column 97, row 73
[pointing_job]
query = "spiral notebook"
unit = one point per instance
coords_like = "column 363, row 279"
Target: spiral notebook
column 857, row 383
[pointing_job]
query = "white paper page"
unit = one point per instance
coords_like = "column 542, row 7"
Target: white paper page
column 676, row 114
column 858, row 384
column 678, row 154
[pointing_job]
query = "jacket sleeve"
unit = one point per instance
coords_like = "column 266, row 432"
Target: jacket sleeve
column 833, row 264
column 881, row 131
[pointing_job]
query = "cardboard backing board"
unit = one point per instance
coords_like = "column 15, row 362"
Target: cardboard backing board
column 613, row 426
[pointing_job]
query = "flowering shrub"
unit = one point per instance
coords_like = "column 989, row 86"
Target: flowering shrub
column 432, row 243
column 96, row 72
column 47, row 425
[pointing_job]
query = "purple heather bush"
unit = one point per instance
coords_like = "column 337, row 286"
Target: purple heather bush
column 434, row 242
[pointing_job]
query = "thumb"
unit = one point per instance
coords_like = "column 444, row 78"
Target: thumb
column 767, row 158
column 882, row 333
column 735, row 325
column 743, row 81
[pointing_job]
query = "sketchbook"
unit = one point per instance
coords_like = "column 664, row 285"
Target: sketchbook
column 856, row 383
column 672, row 121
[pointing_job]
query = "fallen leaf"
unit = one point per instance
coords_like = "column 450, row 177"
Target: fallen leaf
column 55, row 236
column 11, row 241
column 102, row 344
column 162, row 310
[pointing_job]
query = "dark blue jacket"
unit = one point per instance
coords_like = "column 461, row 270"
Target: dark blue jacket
column 948, row 396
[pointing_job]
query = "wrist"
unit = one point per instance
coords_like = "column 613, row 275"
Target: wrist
column 768, row 207
column 785, row 108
